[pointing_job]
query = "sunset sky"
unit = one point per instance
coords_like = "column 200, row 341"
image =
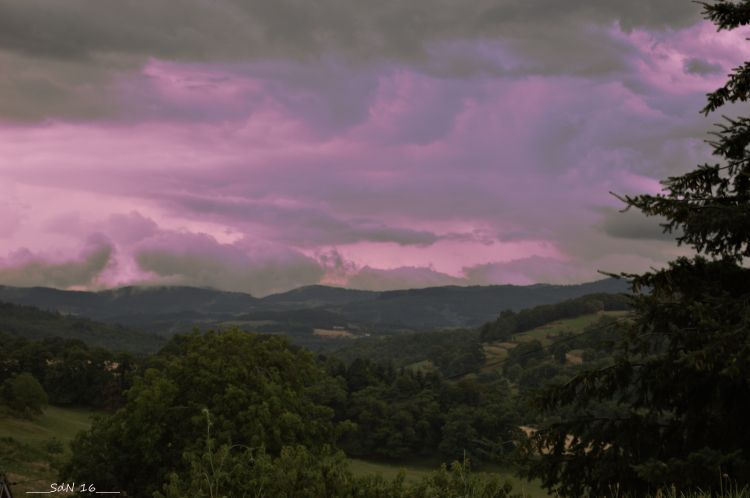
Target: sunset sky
column 259, row 145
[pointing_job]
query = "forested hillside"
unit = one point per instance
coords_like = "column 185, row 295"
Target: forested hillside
column 279, row 406
column 463, row 351
column 32, row 323
column 396, row 399
column 69, row 372
column 169, row 310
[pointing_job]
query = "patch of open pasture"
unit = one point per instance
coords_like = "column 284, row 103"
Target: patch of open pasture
column 61, row 423
column 546, row 334
column 332, row 333
column 495, row 353
column 31, row 449
column 416, row 470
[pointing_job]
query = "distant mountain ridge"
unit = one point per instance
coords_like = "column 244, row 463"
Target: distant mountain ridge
column 125, row 300
column 321, row 295
column 166, row 310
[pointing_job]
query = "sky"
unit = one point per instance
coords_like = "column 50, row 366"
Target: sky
column 258, row 146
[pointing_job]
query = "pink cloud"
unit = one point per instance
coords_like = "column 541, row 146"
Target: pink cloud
column 432, row 170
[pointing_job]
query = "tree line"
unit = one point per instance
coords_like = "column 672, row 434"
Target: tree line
column 672, row 408
column 509, row 322
column 63, row 372
column 267, row 395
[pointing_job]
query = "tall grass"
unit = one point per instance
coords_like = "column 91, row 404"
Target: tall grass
column 728, row 490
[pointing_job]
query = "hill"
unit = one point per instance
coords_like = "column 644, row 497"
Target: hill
column 167, row 310
column 32, row 323
column 319, row 295
column 485, row 348
column 124, row 303
column 452, row 306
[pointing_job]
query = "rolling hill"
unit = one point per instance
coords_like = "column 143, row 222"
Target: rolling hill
column 460, row 351
column 32, row 323
column 166, row 310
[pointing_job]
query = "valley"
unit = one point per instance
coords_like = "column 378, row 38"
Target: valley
column 469, row 359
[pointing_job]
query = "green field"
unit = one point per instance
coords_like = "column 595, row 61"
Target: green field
column 29, row 452
column 496, row 352
column 546, row 333
column 417, row 470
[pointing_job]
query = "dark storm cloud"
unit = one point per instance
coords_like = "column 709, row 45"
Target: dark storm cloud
column 199, row 260
column 65, row 57
column 301, row 225
column 418, row 137
column 696, row 65
column 194, row 29
column 632, row 224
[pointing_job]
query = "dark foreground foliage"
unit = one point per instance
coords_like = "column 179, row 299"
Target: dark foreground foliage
column 257, row 388
column 69, row 371
column 300, row 473
column 268, row 396
column 672, row 409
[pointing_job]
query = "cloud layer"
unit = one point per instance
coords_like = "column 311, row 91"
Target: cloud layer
column 24, row 268
column 259, row 146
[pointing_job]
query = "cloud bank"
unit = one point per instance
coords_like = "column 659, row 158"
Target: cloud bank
column 25, row 268
column 259, row 146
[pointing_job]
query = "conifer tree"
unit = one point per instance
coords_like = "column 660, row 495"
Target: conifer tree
column 673, row 409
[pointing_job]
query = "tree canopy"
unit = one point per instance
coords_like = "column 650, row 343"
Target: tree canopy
column 256, row 388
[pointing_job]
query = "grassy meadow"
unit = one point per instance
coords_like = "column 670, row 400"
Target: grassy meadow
column 31, row 449
column 415, row 471
column 546, row 333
